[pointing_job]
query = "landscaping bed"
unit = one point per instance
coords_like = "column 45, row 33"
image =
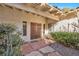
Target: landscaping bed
column 70, row 39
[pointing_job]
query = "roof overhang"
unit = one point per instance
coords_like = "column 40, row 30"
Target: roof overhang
column 28, row 9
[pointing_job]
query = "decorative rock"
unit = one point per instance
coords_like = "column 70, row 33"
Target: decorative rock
column 34, row 53
column 46, row 49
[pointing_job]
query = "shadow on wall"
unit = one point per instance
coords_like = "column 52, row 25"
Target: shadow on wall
column 70, row 25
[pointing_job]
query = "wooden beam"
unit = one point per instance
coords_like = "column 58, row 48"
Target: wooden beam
column 8, row 6
column 3, row 5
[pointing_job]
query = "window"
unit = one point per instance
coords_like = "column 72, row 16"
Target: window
column 49, row 26
column 43, row 28
column 24, row 28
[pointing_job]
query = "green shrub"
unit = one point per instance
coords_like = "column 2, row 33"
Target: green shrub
column 10, row 40
column 67, row 38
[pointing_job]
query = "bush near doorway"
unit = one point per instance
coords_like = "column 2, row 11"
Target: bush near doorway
column 70, row 39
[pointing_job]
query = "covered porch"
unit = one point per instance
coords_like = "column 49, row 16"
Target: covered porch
column 34, row 23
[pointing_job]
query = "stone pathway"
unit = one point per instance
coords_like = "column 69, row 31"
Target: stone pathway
column 47, row 48
column 45, row 51
column 39, row 48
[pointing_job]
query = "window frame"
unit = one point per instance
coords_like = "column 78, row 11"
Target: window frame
column 24, row 28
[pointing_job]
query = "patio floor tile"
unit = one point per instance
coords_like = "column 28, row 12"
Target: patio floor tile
column 46, row 49
column 38, row 45
column 26, row 48
column 34, row 53
column 54, row 54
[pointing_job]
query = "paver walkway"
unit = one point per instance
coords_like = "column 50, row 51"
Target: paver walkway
column 65, row 51
column 47, row 48
column 39, row 48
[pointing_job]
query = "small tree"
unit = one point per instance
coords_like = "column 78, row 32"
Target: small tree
column 10, row 41
column 66, row 10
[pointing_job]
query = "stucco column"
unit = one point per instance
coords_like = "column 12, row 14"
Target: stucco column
column 28, row 31
column 46, row 28
column 42, row 34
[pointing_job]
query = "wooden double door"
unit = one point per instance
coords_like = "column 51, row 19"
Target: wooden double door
column 35, row 30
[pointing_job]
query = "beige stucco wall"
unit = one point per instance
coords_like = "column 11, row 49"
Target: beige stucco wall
column 15, row 16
